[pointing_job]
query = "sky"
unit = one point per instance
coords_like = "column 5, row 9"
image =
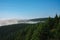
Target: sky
column 28, row 9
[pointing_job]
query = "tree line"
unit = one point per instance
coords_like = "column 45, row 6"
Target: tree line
column 49, row 30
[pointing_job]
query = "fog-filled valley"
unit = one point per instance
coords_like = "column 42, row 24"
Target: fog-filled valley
column 47, row 30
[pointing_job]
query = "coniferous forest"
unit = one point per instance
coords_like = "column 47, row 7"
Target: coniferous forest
column 49, row 30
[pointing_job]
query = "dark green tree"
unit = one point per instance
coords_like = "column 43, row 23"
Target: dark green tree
column 56, row 20
column 45, row 33
column 36, row 32
column 59, row 18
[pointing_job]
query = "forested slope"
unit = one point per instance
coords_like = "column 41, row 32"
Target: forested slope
column 49, row 30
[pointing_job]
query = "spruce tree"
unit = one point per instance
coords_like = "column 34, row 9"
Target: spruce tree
column 45, row 34
column 56, row 20
column 59, row 18
column 57, row 32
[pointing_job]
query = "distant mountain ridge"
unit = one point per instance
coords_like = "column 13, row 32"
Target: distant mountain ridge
column 39, row 19
column 16, row 21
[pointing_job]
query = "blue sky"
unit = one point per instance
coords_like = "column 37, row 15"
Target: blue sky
column 26, row 9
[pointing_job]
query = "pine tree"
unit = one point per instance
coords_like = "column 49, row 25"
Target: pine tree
column 59, row 18
column 45, row 34
column 57, row 32
column 36, row 32
column 56, row 20
column 50, row 23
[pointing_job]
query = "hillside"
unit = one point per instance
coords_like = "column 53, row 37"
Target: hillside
column 49, row 30
column 39, row 19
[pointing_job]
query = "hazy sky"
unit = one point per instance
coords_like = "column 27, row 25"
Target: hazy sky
column 25, row 9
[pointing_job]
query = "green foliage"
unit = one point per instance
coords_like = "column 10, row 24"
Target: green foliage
column 49, row 30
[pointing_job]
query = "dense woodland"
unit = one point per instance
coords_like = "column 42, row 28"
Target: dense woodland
column 49, row 30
